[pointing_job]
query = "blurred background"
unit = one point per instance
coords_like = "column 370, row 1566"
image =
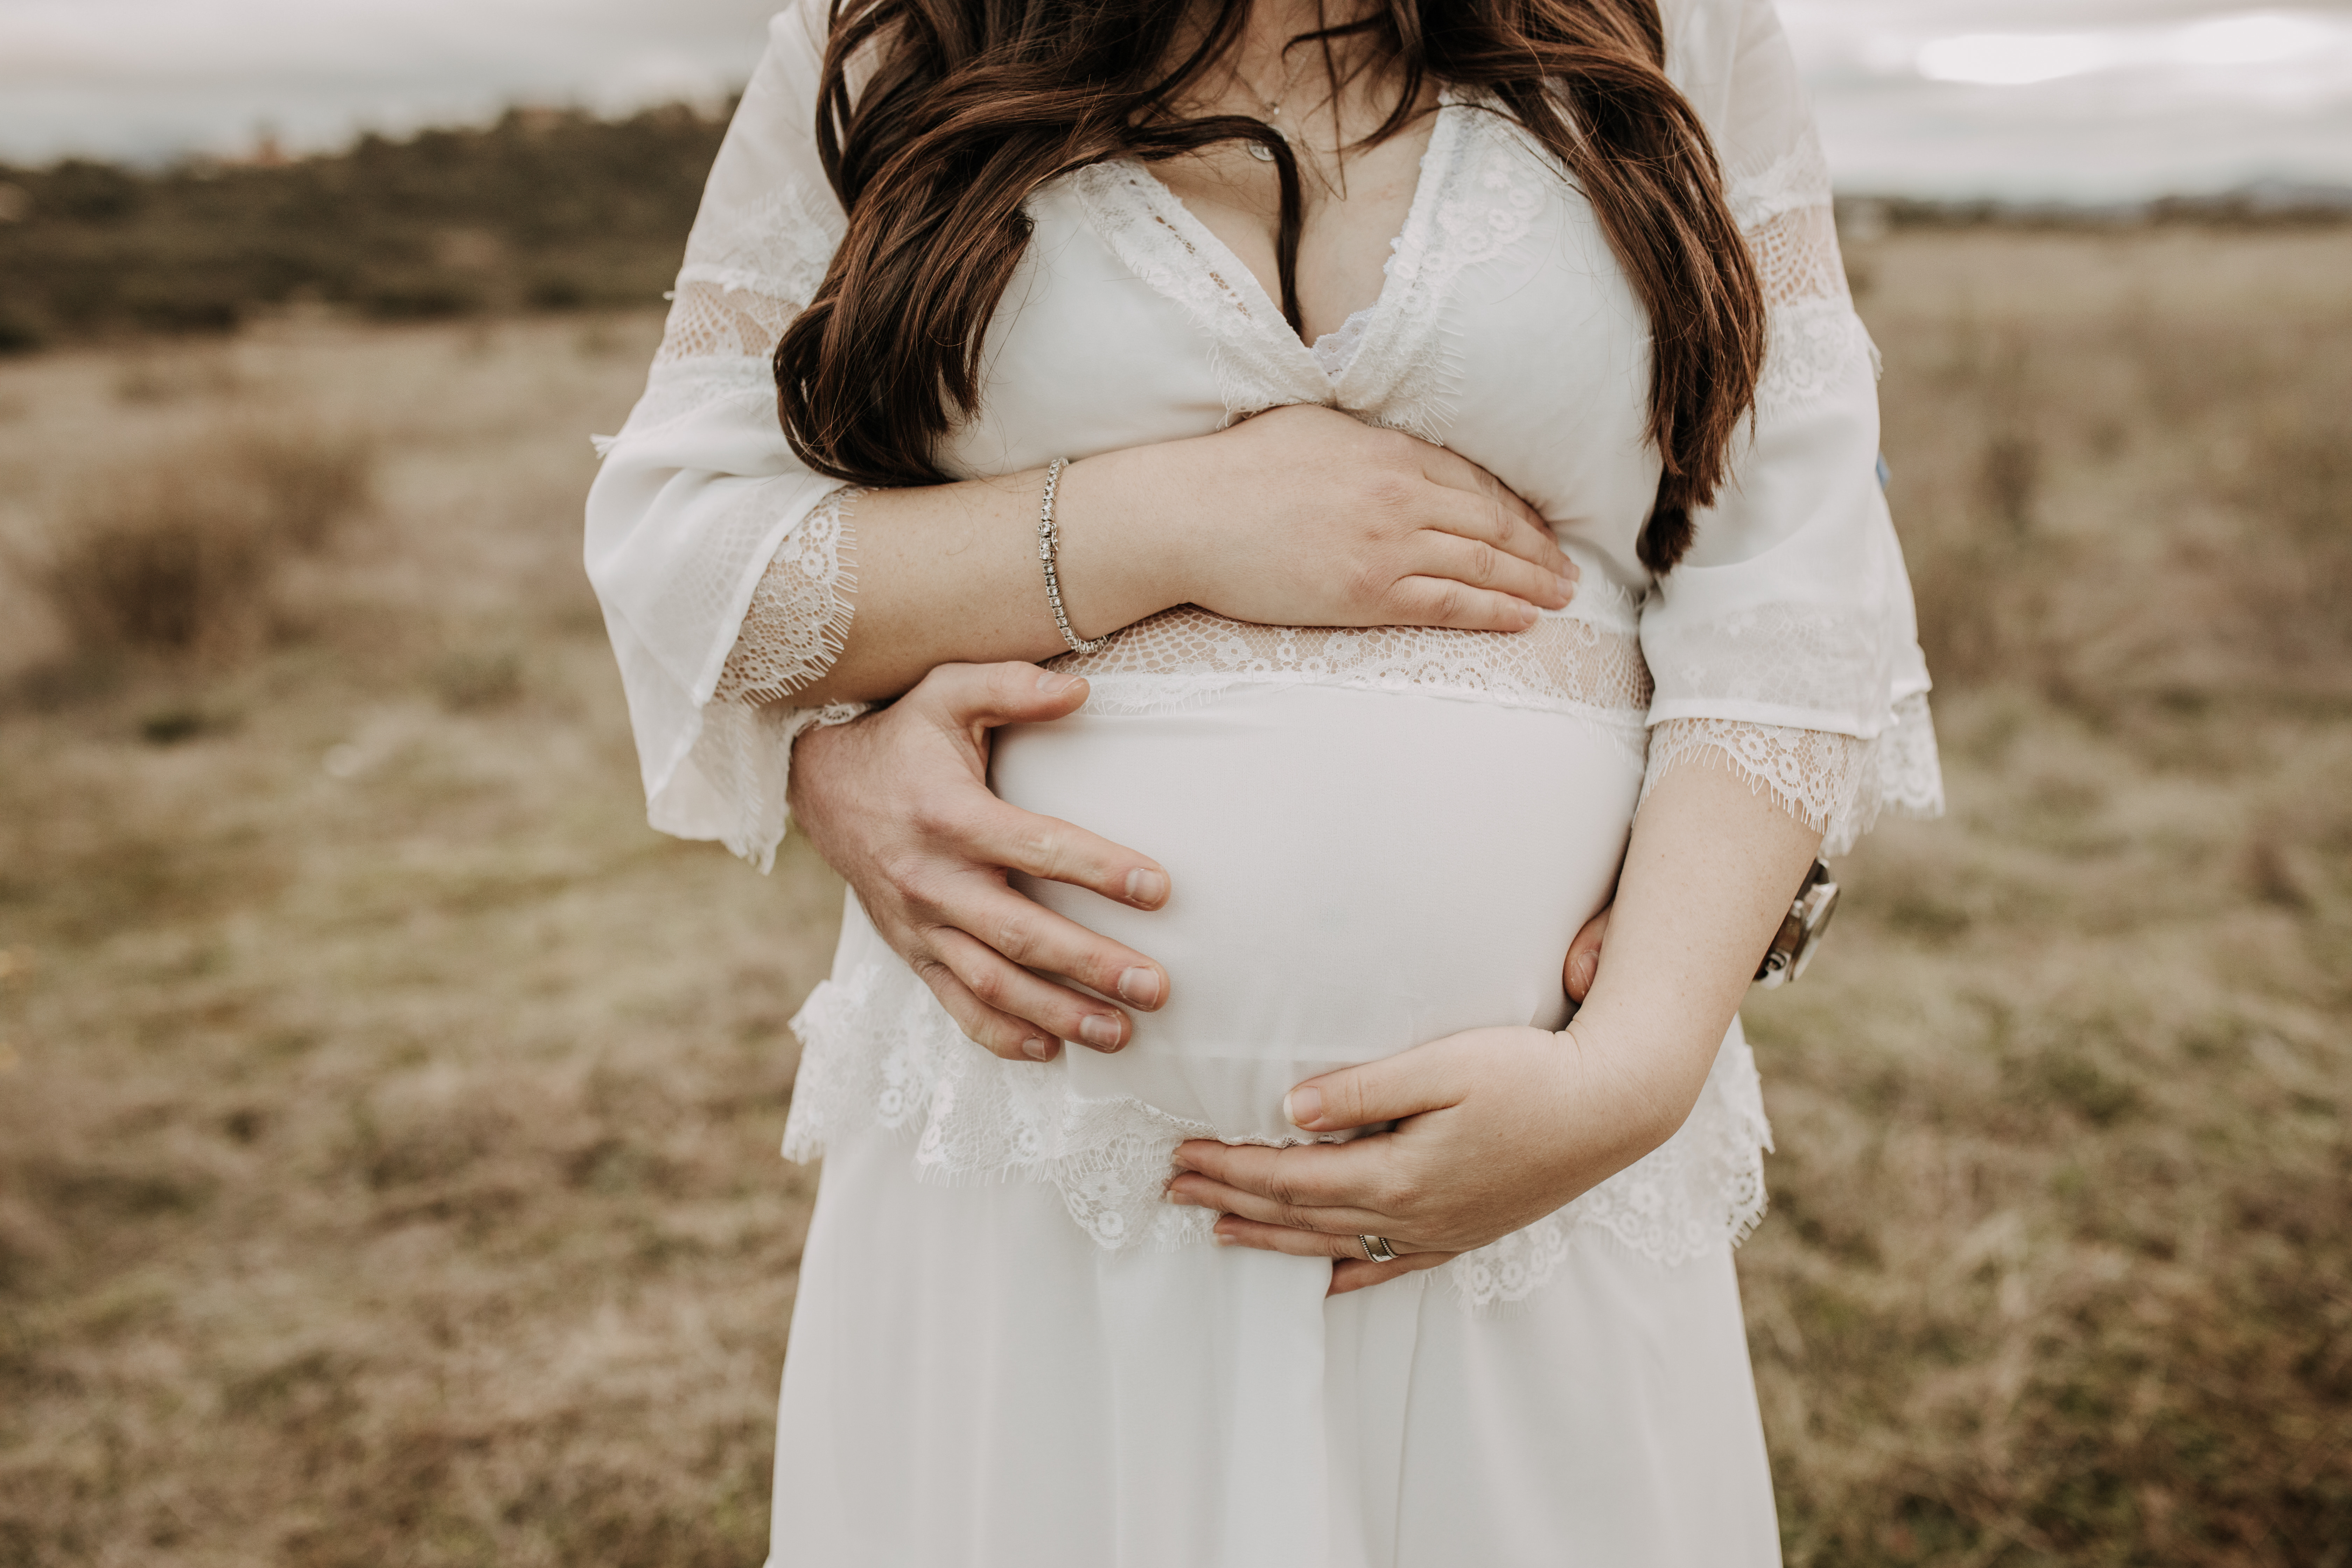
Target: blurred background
column 388, row 1117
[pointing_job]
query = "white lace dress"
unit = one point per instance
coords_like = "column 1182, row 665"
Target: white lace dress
column 1007, row 1349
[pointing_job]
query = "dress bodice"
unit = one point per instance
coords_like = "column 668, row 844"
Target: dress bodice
column 1505, row 325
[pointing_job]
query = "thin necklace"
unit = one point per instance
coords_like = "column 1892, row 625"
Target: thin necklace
column 1259, row 150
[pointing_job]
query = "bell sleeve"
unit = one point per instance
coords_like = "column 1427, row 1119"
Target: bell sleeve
column 723, row 566
column 1784, row 646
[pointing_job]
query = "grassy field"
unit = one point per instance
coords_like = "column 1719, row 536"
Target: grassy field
column 387, row 1119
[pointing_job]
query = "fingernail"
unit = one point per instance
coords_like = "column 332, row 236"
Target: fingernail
column 1528, row 615
column 1182, row 1201
column 1140, row 986
column 1303, row 1106
column 1586, row 964
column 1053, row 682
column 1145, row 887
column 1100, row 1031
column 1037, row 1050
column 1222, row 1239
column 1567, row 586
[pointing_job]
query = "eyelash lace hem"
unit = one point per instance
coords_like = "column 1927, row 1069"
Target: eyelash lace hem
column 878, row 1051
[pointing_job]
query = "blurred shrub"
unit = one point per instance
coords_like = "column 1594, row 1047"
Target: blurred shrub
column 177, row 555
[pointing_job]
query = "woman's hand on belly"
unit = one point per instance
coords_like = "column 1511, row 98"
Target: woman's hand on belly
column 1494, row 1129
column 899, row 804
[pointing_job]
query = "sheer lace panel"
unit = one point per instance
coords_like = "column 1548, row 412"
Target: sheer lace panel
column 748, row 272
column 712, row 320
column 1565, row 662
column 1797, row 257
column 1814, row 341
column 800, row 612
column 1836, row 784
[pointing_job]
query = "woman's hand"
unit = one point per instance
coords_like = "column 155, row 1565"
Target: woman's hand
column 1494, row 1129
column 1303, row 516
column 898, row 802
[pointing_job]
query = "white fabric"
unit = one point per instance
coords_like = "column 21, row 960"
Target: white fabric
column 1298, row 940
column 1376, row 838
column 974, row 1384
column 1782, row 648
column 1792, row 610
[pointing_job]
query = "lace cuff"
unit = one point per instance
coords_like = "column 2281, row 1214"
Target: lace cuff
column 801, row 610
column 1836, row 784
column 791, row 635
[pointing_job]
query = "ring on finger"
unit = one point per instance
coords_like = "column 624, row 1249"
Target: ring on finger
column 1377, row 1249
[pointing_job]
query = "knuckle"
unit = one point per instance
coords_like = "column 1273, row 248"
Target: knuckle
column 1045, row 850
column 1015, row 940
column 989, row 984
column 905, row 873
column 936, row 813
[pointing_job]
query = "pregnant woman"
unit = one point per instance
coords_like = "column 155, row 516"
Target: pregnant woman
column 1364, row 485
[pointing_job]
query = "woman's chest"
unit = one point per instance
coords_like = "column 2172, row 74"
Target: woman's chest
column 1504, row 329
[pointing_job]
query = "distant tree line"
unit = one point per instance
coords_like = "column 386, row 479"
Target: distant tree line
column 544, row 210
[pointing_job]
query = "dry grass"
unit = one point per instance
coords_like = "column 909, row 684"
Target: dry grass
column 2057, row 1271
column 178, row 552
column 387, row 1120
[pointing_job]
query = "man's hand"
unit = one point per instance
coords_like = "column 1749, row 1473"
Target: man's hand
column 898, row 802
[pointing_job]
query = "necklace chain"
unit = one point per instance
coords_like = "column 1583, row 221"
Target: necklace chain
column 1273, row 111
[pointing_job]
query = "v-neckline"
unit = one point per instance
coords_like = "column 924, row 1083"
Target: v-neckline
column 1227, row 268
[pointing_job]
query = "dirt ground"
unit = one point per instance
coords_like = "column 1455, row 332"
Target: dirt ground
column 388, row 1119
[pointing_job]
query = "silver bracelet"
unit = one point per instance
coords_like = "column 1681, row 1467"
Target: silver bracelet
column 1049, row 544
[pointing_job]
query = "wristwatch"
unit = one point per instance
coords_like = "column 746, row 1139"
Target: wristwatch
column 1801, row 933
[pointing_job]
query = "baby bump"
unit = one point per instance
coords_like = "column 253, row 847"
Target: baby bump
column 1354, row 872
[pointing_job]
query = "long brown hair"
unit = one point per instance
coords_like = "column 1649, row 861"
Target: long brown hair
column 971, row 105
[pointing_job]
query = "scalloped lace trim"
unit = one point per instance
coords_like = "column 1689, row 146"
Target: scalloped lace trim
column 1566, row 663
column 1482, row 192
column 878, row 1051
column 799, row 614
column 1836, row 784
column 801, row 611
column 1153, row 234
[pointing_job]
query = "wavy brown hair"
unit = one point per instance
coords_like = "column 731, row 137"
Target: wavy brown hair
column 968, row 106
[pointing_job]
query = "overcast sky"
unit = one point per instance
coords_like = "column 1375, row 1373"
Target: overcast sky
column 2085, row 99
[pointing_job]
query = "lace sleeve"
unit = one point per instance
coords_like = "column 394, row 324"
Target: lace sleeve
column 1814, row 341
column 722, row 563
column 1835, row 784
column 1784, row 646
